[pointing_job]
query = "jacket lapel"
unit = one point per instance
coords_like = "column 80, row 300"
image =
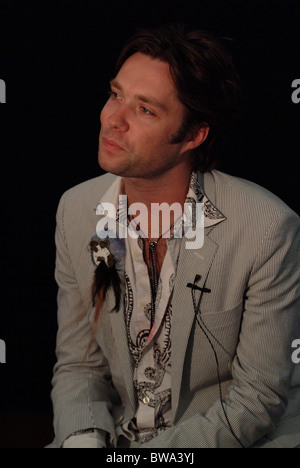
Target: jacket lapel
column 191, row 263
column 120, row 334
column 116, row 318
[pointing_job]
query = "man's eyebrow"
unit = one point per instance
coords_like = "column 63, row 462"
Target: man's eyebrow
column 152, row 101
column 145, row 99
column 115, row 84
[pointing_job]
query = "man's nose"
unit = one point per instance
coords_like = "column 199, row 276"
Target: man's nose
column 118, row 119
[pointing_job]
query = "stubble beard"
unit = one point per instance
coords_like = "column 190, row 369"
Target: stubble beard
column 131, row 166
column 134, row 168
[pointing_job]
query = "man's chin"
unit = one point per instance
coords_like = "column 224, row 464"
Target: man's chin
column 115, row 169
column 119, row 168
column 107, row 162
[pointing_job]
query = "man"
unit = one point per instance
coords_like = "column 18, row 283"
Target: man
column 161, row 345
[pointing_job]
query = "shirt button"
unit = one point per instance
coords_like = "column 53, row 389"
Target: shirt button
column 136, row 255
column 146, row 400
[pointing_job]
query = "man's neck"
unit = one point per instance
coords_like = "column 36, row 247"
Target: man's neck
column 165, row 188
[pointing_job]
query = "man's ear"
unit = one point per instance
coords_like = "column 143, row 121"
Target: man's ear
column 199, row 135
column 196, row 137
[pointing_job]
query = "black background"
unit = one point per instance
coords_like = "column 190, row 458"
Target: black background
column 56, row 59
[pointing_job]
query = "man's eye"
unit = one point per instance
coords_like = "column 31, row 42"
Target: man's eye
column 114, row 95
column 146, row 111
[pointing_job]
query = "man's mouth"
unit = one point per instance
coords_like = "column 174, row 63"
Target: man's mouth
column 111, row 145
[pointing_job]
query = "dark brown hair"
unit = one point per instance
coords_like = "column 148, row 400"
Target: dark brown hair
column 204, row 76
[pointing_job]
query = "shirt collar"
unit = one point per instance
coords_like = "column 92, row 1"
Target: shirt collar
column 212, row 215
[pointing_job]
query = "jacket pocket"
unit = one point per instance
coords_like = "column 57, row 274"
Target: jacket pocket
column 222, row 319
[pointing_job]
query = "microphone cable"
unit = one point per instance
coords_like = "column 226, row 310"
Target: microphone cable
column 197, row 311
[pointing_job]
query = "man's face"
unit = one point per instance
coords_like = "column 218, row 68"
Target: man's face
column 140, row 119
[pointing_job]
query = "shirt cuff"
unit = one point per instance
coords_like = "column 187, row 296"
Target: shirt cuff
column 94, row 438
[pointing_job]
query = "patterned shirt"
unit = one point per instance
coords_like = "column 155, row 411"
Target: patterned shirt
column 151, row 350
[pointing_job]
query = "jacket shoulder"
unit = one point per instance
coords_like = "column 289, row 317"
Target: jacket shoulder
column 86, row 194
column 87, row 189
column 248, row 198
column 80, row 202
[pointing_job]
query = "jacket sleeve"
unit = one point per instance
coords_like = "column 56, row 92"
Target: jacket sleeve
column 80, row 393
column 262, row 368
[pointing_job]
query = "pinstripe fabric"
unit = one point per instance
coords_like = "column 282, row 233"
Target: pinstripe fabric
column 250, row 261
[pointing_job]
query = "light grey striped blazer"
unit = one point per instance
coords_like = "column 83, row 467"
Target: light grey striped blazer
column 250, row 261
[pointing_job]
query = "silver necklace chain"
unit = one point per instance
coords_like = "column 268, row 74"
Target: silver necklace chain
column 153, row 275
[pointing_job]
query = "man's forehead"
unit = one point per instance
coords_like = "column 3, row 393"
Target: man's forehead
column 148, row 62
